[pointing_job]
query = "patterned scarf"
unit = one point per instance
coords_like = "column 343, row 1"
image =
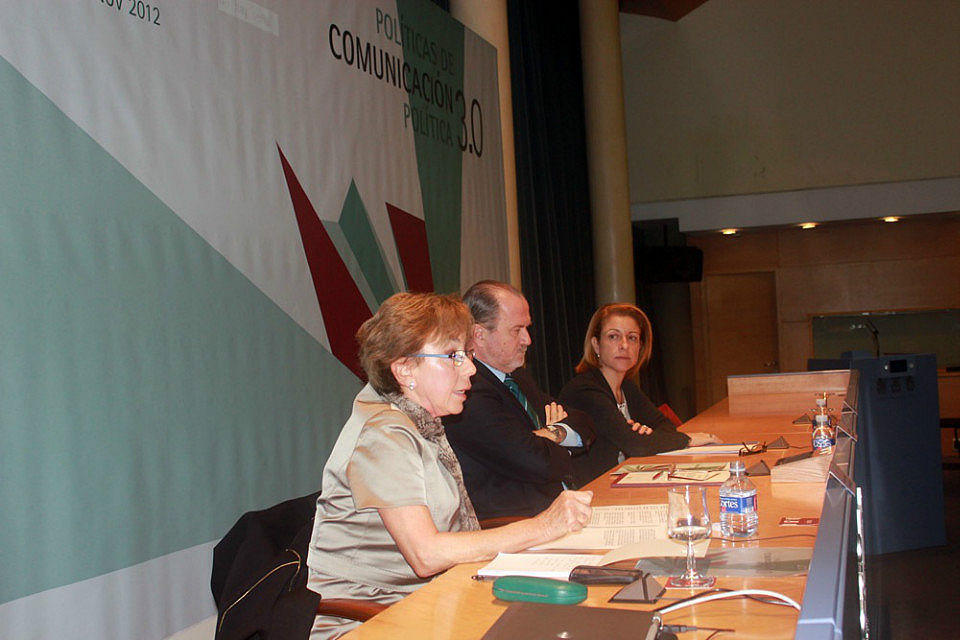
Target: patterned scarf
column 432, row 429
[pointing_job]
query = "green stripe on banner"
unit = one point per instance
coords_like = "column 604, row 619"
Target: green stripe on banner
column 438, row 126
column 355, row 223
column 149, row 392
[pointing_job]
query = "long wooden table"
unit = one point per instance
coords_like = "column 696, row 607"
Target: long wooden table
column 454, row 606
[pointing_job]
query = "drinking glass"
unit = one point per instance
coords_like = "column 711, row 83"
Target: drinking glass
column 688, row 520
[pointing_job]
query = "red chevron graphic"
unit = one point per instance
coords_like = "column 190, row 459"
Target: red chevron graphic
column 410, row 236
column 341, row 304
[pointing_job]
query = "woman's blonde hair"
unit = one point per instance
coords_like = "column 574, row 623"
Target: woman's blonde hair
column 590, row 360
column 403, row 324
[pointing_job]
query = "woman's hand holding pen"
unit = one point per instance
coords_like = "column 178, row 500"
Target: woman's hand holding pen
column 570, row 511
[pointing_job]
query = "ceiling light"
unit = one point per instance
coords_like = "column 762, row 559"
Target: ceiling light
column 891, row 219
column 729, row 232
column 808, row 225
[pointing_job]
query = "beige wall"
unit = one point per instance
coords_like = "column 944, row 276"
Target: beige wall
column 753, row 96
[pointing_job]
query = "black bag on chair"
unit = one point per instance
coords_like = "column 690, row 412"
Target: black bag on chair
column 259, row 574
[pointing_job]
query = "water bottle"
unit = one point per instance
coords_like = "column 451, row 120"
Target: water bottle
column 822, row 438
column 738, row 504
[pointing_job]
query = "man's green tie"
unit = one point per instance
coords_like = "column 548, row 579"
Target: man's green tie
column 515, row 390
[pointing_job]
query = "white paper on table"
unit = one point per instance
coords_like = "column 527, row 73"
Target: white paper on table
column 709, row 450
column 605, row 537
column 655, row 548
column 537, row 565
column 614, row 526
column 667, row 479
column 629, row 515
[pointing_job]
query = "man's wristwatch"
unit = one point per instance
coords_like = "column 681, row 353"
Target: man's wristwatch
column 557, row 431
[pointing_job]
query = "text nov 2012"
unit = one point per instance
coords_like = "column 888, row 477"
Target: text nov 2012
column 137, row 8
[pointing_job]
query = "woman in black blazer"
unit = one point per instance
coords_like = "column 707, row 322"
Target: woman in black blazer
column 618, row 342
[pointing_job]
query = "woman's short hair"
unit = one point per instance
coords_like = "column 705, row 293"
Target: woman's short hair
column 590, row 360
column 403, row 324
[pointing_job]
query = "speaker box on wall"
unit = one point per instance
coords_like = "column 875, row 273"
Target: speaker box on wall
column 668, row 264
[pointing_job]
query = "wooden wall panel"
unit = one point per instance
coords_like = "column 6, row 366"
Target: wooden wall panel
column 870, row 241
column 924, row 283
column 742, row 334
column 948, row 389
column 700, row 355
column 796, row 345
column 754, row 251
column 836, row 268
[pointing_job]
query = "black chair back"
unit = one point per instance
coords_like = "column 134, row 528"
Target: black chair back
column 259, row 574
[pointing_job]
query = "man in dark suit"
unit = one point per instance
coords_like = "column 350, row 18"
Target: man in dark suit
column 514, row 445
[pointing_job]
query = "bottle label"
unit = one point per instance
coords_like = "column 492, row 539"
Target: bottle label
column 822, row 443
column 822, row 440
column 738, row 504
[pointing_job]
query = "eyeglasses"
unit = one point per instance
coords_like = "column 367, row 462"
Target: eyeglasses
column 749, row 450
column 459, row 356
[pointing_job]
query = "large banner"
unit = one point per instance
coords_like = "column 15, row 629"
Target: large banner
column 200, row 201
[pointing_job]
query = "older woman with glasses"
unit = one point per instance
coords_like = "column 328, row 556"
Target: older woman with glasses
column 618, row 343
column 393, row 510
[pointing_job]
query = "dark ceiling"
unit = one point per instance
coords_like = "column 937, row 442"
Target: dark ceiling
column 666, row 9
